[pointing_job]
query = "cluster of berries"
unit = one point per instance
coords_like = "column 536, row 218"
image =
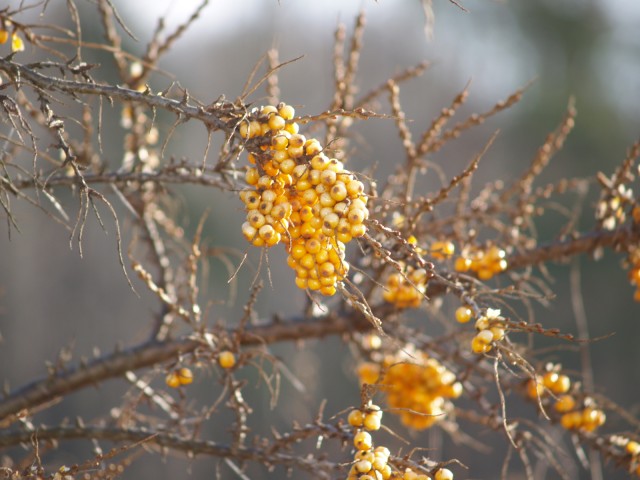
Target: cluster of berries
column 302, row 198
column 417, row 386
column 406, row 289
column 490, row 327
column 556, row 385
column 371, row 463
column 179, row 377
column 484, row 263
column 631, row 448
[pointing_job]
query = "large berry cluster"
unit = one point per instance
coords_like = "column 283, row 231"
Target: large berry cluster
column 371, row 463
column 484, row 263
column 417, row 386
column 574, row 415
column 302, row 198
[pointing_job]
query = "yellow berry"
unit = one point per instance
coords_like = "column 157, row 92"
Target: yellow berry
column 355, row 418
column 363, row 466
column 226, row 359
column 564, row 404
column 185, row 376
column 17, row 45
column 372, row 421
column 463, row 314
column 362, row 440
column 633, row 448
column 286, row 111
column 443, row 474
column 172, row 380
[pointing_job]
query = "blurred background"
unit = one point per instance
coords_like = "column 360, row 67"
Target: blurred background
column 50, row 298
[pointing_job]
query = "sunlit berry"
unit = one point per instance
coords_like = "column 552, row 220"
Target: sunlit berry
column 226, row 359
column 362, row 440
column 463, row 314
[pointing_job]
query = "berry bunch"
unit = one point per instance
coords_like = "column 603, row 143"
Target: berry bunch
column 490, row 329
column 587, row 418
column 555, row 385
column 302, row 198
column 418, row 386
column 484, row 263
column 406, row 289
column 179, row 377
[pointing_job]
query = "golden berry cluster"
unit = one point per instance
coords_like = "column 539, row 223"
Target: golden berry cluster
column 302, row 198
column 179, row 377
column 406, row 289
column 371, row 463
column 574, row 416
column 418, row 386
column 491, row 329
column 484, row 263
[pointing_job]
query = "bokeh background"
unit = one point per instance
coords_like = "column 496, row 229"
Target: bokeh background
column 50, row 298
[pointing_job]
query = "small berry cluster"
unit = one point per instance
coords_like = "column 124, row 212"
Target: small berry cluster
column 406, row 289
column 631, row 448
column 302, row 198
column 371, row 463
column 418, row 386
column 484, row 263
column 490, row 329
column 556, row 385
column 179, row 377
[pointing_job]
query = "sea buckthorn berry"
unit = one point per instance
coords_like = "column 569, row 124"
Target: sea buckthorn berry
column 372, row 421
column 4, row 35
column 463, row 314
column 564, row 404
column 226, row 359
column 442, row 249
column 362, row 440
column 286, row 111
column 633, row 448
column 363, row 466
column 481, row 343
column 172, row 380
column 443, row 474
column 185, row 376
column 276, row 122
column 355, row 418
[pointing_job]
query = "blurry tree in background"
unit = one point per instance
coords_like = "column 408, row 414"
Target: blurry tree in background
column 238, row 245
